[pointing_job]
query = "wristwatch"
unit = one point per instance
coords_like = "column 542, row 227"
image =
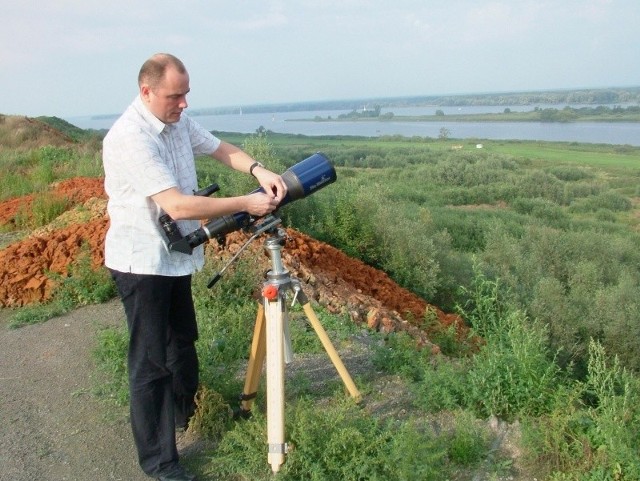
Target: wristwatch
column 254, row 165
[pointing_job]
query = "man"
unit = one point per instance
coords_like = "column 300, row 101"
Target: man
column 149, row 168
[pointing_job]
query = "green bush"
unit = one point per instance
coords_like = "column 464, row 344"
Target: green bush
column 549, row 212
column 592, row 432
column 44, row 208
column 34, row 170
column 226, row 315
column 578, row 190
column 536, row 183
column 469, row 441
column 398, row 355
column 570, row 173
column 410, row 247
column 514, row 373
column 609, row 200
column 241, row 454
column 84, row 285
column 213, row 415
column 442, row 384
column 348, row 223
column 339, row 442
column 332, row 442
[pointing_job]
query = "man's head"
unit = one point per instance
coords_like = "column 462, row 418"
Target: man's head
column 164, row 84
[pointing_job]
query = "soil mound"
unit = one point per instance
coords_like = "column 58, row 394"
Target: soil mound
column 25, row 133
column 328, row 275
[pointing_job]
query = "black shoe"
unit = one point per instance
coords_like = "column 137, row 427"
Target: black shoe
column 177, row 474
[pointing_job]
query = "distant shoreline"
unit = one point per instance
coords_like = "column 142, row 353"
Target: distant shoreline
column 596, row 96
column 532, row 116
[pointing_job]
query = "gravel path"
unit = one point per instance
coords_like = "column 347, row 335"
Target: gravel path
column 51, row 427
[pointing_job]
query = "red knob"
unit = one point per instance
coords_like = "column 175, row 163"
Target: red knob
column 270, row 292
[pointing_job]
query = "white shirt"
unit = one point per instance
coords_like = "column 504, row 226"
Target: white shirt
column 143, row 156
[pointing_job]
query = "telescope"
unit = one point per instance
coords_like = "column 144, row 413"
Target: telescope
column 302, row 180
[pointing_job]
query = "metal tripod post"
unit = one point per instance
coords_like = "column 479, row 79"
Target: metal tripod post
column 271, row 339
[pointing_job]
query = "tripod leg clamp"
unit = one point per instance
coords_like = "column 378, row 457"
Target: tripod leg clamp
column 248, row 397
column 278, row 448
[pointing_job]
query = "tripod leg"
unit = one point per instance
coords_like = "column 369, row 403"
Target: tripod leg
column 331, row 351
column 256, row 361
column 275, row 314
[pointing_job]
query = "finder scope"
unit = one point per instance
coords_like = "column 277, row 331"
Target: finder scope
column 302, row 180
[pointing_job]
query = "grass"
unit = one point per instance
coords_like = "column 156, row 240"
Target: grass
column 32, row 171
column 571, row 153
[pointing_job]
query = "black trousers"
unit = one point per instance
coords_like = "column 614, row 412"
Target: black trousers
column 162, row 363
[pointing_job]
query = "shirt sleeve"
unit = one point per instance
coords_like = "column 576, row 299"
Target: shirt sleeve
column 203, row 142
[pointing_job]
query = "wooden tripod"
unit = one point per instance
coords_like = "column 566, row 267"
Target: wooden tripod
column 271, row 340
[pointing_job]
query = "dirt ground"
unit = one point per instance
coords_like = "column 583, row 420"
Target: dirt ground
column 52, row 428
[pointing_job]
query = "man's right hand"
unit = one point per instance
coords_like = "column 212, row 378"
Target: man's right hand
column 261, row 204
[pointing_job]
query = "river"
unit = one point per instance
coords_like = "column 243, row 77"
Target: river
column 619, row 133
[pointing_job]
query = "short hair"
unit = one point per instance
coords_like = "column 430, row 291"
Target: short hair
column 153, row 70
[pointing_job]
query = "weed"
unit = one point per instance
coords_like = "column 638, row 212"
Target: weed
column 110, row 357
column 213, row 415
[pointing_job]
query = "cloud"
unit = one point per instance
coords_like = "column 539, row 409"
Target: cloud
column 270, row 20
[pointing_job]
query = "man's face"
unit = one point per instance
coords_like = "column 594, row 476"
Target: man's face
column 167, row 100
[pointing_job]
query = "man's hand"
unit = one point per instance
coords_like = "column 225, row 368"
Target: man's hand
column 272, row 183
column 260, row 204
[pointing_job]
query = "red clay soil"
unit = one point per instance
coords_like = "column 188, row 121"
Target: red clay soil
column 340, row 283
column 77, row 191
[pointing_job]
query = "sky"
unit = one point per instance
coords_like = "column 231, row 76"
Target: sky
column 70, row 58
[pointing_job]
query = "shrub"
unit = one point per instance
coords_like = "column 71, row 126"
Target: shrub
column 514, row 373
column 570, row 173
column 226, row 316
column 409, row 247
column 592, row 432
column 85, row 284
column 348, row 224
column 213, row 415
column 442, row 384
column 577, row 190
column 609, row 200
column 545, row 210
column 469, row 441
column 398, row 355
column 537, row 183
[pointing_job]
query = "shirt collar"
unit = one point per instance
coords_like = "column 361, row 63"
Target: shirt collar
column 157, row 124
